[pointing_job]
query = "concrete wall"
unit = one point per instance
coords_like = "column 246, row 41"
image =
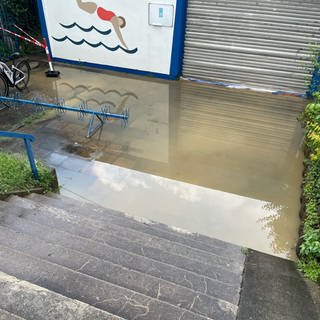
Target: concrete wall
column 75, row 34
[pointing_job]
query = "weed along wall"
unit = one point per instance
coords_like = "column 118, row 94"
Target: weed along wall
column 133, row 36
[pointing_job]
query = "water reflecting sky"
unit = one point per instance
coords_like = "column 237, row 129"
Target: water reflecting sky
column 232, row 158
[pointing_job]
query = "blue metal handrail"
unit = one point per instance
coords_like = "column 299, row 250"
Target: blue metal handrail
column 28, row 138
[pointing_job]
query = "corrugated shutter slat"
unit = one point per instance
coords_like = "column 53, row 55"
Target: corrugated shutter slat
column 261, row 43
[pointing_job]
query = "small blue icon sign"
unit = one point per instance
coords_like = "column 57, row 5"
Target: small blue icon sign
column 160, row 12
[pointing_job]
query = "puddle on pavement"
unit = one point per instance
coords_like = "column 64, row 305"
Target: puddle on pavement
column 243, row 145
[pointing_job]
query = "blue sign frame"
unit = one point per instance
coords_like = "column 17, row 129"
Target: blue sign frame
column 176, row 54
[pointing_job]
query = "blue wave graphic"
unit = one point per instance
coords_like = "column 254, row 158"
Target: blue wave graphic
column 95, row 45
column 70, row 26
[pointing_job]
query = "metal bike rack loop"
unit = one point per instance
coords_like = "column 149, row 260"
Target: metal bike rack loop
column 102, row 116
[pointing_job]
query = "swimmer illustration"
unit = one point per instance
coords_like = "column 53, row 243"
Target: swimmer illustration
column 117, row 22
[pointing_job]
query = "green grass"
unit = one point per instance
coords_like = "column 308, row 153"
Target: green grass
column 33, row 118
column 16, row 175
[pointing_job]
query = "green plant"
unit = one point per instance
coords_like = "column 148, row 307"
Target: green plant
column 245, row 250
column 24, row 13
column 312, row 111
column 15, row 174
column 311, row 268
column 314, row 54
column 33, row 118
column 310, row 241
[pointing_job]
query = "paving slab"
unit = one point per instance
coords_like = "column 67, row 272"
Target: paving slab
column 36, row 303
column 274, row 289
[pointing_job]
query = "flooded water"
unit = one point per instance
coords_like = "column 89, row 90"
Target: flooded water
column 226, row 163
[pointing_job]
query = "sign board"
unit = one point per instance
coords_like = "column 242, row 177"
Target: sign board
column 138, row 36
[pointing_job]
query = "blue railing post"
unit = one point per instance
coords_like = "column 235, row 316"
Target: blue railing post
column 31, row 159
column 28, row 138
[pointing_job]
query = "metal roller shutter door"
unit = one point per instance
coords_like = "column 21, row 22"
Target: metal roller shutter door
column 257, row 43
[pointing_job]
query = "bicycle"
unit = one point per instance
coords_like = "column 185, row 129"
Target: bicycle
column 17, row 76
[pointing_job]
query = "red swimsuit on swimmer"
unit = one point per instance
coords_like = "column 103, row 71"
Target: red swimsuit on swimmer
column 105, row 14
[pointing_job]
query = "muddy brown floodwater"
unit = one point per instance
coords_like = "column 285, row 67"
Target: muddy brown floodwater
column 233, row 156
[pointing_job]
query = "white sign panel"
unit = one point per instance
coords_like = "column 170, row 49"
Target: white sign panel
column 113, row 33
column 161, row 15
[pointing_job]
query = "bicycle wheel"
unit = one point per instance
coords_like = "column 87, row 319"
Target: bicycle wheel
column 4, row 88
column 24, row 67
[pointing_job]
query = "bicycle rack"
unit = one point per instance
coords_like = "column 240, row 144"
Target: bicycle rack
column 83, row 111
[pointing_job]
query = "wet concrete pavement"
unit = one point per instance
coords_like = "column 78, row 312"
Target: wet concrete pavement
column 274, row 289
column 225, row 163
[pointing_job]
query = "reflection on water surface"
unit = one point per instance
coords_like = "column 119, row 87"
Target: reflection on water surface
column 240, row 150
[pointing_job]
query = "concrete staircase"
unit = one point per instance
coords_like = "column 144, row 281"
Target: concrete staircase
column 61, row 259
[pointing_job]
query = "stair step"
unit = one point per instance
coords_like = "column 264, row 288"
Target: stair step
column 115, row 274
column 36, row 303
column 160, row 230
column 103, row 295
column 189, row 280
column 88, row 228
column 170, row 247
column 115, row 222
column 5, row 315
